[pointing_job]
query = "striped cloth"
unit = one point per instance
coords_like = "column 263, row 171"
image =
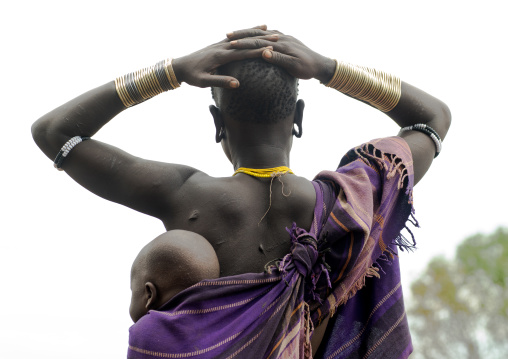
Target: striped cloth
column 360, row 210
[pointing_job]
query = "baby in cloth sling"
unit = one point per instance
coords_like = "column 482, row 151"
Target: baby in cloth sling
column 170, row 263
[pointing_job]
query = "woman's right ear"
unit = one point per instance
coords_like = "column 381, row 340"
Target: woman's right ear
column 219, row 124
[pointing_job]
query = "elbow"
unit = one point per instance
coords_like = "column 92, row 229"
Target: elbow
column 44, row 137
column 446, row 119
column 38, row 132
column 441, row 118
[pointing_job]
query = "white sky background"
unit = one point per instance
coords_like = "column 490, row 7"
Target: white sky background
column 65, row 254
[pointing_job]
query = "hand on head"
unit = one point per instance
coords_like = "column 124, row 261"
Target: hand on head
column 198, row 68
column 285, row 51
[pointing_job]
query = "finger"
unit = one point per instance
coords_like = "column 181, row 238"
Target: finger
column 240, row 34
column 279, row 59
column 275, row 32
column 219, row 81
column 254, row 43
column 261, row 27
column 242, row 54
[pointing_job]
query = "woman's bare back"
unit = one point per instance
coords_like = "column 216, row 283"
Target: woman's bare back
column 245, row 224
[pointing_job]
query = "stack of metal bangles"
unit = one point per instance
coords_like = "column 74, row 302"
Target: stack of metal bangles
column 377, row 88
column 146, row 83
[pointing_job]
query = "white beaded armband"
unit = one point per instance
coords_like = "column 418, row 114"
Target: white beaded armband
column 64, row 151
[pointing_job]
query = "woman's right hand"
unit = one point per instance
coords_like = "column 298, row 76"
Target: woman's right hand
column 288, row 53
column 198, row 69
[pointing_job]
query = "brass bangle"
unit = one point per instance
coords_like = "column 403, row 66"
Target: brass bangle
column 122, row 92
column 378, row 88
column 136, row 87
column 152, row 78
column 171, row 73
column 334, row 73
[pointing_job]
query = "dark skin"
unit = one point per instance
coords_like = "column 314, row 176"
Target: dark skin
column 226, row 211
column 173, row 261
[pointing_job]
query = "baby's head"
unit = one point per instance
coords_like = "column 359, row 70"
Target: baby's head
column 167, row 265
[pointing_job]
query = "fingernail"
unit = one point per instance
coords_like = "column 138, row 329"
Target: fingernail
column 234, row 84
column 233, row 42
column 267, row 54
column 269, row 47
column 229, row 34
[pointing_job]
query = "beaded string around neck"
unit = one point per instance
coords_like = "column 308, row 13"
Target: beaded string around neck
column 275, row 172
column 264, row 172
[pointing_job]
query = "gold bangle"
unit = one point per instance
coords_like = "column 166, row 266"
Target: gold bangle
column 120, row 89
column 139, row 86
column 334, row 73
column 124, row 94
column 378, row 88
column 175, row 82
column 152, row 78
column 171, row 73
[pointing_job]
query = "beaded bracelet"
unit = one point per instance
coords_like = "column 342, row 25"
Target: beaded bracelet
column 64, row 151
column 429, row 131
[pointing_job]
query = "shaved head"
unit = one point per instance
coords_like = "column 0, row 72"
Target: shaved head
column 170, row 263
column 267, row 93
column 170, row 255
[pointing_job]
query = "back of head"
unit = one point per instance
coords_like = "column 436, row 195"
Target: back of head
column 178, row 259
column 167, row 265
column 267, row 93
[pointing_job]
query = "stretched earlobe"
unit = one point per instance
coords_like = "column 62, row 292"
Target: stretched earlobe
column 219, row 124
column 298, row 133
column 219, row 135
column 298, row 119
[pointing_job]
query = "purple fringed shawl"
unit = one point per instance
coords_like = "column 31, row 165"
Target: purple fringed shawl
column 360, row 210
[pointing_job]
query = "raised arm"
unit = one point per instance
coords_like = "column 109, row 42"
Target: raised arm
column 109, row 172
column 408, row 107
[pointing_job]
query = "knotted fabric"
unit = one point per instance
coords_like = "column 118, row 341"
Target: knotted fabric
column 304, row 256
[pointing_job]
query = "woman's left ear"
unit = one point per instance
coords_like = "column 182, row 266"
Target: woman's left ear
column 219, row 124
column 298, row 119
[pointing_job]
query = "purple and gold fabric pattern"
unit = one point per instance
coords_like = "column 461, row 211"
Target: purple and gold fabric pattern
column 345, row 266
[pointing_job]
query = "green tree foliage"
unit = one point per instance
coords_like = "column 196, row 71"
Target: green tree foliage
column 459, row 307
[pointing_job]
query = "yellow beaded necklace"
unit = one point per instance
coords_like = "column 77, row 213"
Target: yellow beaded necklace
column 264, row 172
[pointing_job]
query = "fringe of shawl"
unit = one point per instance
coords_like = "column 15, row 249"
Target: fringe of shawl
column 372, row 271
column 395, row 165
